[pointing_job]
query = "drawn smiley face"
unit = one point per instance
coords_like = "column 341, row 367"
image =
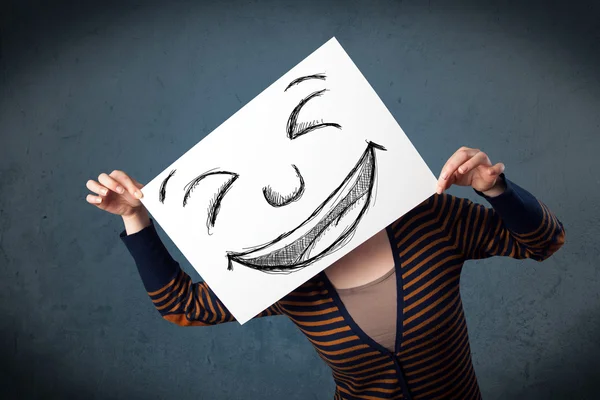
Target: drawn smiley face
column 331, row 224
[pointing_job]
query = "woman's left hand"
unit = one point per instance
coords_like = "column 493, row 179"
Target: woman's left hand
column 472, row 167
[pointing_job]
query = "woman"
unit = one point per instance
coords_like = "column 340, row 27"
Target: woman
column 387, row 317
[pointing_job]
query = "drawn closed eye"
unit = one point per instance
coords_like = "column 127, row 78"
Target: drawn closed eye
column 214, row 205
column 295, row 129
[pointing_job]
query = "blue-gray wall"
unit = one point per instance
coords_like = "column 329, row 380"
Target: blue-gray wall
column 87, row 87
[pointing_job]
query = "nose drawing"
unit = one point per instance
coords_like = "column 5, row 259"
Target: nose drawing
column 276, row 199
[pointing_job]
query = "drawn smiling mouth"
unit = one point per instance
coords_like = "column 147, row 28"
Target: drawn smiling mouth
column 330, row 226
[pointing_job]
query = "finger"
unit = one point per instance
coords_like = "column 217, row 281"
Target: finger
column 93, row 199
column 97, row 188
column 127, row 183
column 110, row 183
column 445, row 184
column 455, row 161
column 478, row 159
column 496, row 170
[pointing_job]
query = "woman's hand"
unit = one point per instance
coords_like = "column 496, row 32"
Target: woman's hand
column 116, row 193
column 472, row 167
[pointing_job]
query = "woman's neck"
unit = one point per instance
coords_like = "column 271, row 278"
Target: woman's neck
column 366, row 263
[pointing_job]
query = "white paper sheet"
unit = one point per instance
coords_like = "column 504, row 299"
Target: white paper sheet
column 305, row 172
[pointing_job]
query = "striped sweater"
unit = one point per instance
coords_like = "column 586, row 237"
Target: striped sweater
column 432, row 358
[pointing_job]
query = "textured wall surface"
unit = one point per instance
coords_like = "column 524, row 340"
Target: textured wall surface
column 87, row 87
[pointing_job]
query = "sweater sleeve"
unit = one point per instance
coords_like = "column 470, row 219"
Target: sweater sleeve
column 518, row 226
column 175, row 296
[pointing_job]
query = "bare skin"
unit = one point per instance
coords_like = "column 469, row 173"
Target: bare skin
column 119, row 194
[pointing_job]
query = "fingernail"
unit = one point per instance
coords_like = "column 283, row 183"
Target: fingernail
column 444, row 176
column 138, row 194
column 120, row 189
column 462, row 170
column 98, row 200
column 104, row 191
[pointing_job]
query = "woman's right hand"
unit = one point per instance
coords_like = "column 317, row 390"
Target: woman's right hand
column 116, row 193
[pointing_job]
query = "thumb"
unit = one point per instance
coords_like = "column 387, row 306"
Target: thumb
column 495, row 170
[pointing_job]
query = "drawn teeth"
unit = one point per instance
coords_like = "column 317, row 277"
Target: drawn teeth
column 277, row 257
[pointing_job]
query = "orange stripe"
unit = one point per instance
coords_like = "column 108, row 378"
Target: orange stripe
column 433, row 317
column 454, row 386
column 364, row 378
column 431, row 307
column 468, row 233
column 433, row 344
column 461, row 349
column 159, row 291
column 471, row 393
column 316, row 323
column 177, row 297
column 197, row 306
column 170, row 292
column 344, row 351
column 506, row 244
column 548, row 223
column 312, row 313
column 480, row 226
column 352, row 359
column 464, row 362
column 436, row 290
column 355, row 392
column 465, row 386
column 426, row 236
column 181, row 320
column 423, row 226
column 406, row 224
column 455, row 336
column 209, row 300
column 435, row 328
column 360, row 396
column 344, row 370
column 310, row 294
column 430, row 269
column 326, row 333
column 432, row 281
column 545, row 216
column 491, row 243
column 364, row 371
column 223, row 313
column 187, row 304
column 306, row 303
column 368, row 386
column 356, row 386
column 334, row 342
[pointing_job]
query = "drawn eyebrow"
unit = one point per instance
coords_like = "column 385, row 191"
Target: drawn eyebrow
column 292, row 125
column 276, row 199
column 215, row 203
column 305, row 78
column 162, row 192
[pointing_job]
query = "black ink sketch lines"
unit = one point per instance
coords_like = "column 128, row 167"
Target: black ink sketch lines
column 162, row 192
column 215, row 203
column 287, row 253
column 305, row 78
column 276, row 199
column 292, row 125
